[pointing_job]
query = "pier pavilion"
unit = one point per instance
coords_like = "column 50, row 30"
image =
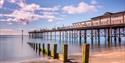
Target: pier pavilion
column 112, row 25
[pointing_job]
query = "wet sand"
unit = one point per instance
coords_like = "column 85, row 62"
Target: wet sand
column 113, row 55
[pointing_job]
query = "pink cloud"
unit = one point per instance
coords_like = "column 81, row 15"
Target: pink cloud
column 27, row 14
column 82, row 7
column 7, row 31
column 1, row 3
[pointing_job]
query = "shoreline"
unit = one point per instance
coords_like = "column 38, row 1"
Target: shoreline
column 113, row 55
column 103, row 55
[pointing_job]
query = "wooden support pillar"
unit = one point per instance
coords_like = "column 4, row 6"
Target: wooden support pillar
column 80, row 37
column 43, row 49
column 63, row 35
column 95, row 36
column 47, row 35
column 39, row 48
column 43, row 35
column 85, row 53
column 72, row 35
column 109, row 37
column 85, row 38
column 66, row 36
column 105, row 37
column 55, row 51
column 65, row 53
column 92, row 37
column 119, row 37
column 123, row 31
column 36, row 47
column 115, row 39
column 51, row 35
column 60, row 36
column 48, row 50
column 98, row 37
column 69, row 36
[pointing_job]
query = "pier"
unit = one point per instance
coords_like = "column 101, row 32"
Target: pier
column 108, row 25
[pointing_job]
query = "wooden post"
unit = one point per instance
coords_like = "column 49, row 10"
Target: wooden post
column 80, row 37
column 98, row 38
column 65, row 53
column 85, row 53
column 66, row 36
column 63, row 36
column 55, row 51
column 105, row 36
column 72, row 35
column 43, row 49
column 36, row 47
column 85, row 38
column 39, row 48
column 119, row 37
column 115, row 37
column 50, row 35
column 48, row 50
column 92, row 37
column 109, row 37
column 60, row 35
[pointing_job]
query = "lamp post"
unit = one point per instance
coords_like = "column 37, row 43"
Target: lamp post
column 22, row 36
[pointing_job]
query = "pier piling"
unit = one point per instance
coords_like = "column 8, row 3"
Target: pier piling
column 65, row 53
column 85, row 53
column 54, row 51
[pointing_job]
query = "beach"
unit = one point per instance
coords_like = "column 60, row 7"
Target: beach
column 113, row 55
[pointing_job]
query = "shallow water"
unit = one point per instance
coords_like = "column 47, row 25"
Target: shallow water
column 14, row 48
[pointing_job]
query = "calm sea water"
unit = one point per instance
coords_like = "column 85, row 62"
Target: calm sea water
column 16, row 48
column 13, row 48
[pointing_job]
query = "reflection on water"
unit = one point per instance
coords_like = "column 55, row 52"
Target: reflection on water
column 12, row 48
column 16, row 47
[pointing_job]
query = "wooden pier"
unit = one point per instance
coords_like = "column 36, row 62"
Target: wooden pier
column 108, row 25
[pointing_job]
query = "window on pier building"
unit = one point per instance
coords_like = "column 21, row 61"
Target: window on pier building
column 105, row 20
column 79, row 24
column 96, row 22
column 117, row 18
column 88, row 23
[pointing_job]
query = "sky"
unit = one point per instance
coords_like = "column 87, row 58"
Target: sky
column 27, row 15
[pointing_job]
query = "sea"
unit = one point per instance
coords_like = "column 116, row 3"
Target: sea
column 16, row 47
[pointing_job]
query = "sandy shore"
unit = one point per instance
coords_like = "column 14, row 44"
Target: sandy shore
column 114, row 55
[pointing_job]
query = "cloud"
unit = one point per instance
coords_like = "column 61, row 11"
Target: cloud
column 12, row 1
column 30, row 12
column 82, row 7
column 30, row 8
column 1, row 3
column 9, row 32
column 94, row 2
